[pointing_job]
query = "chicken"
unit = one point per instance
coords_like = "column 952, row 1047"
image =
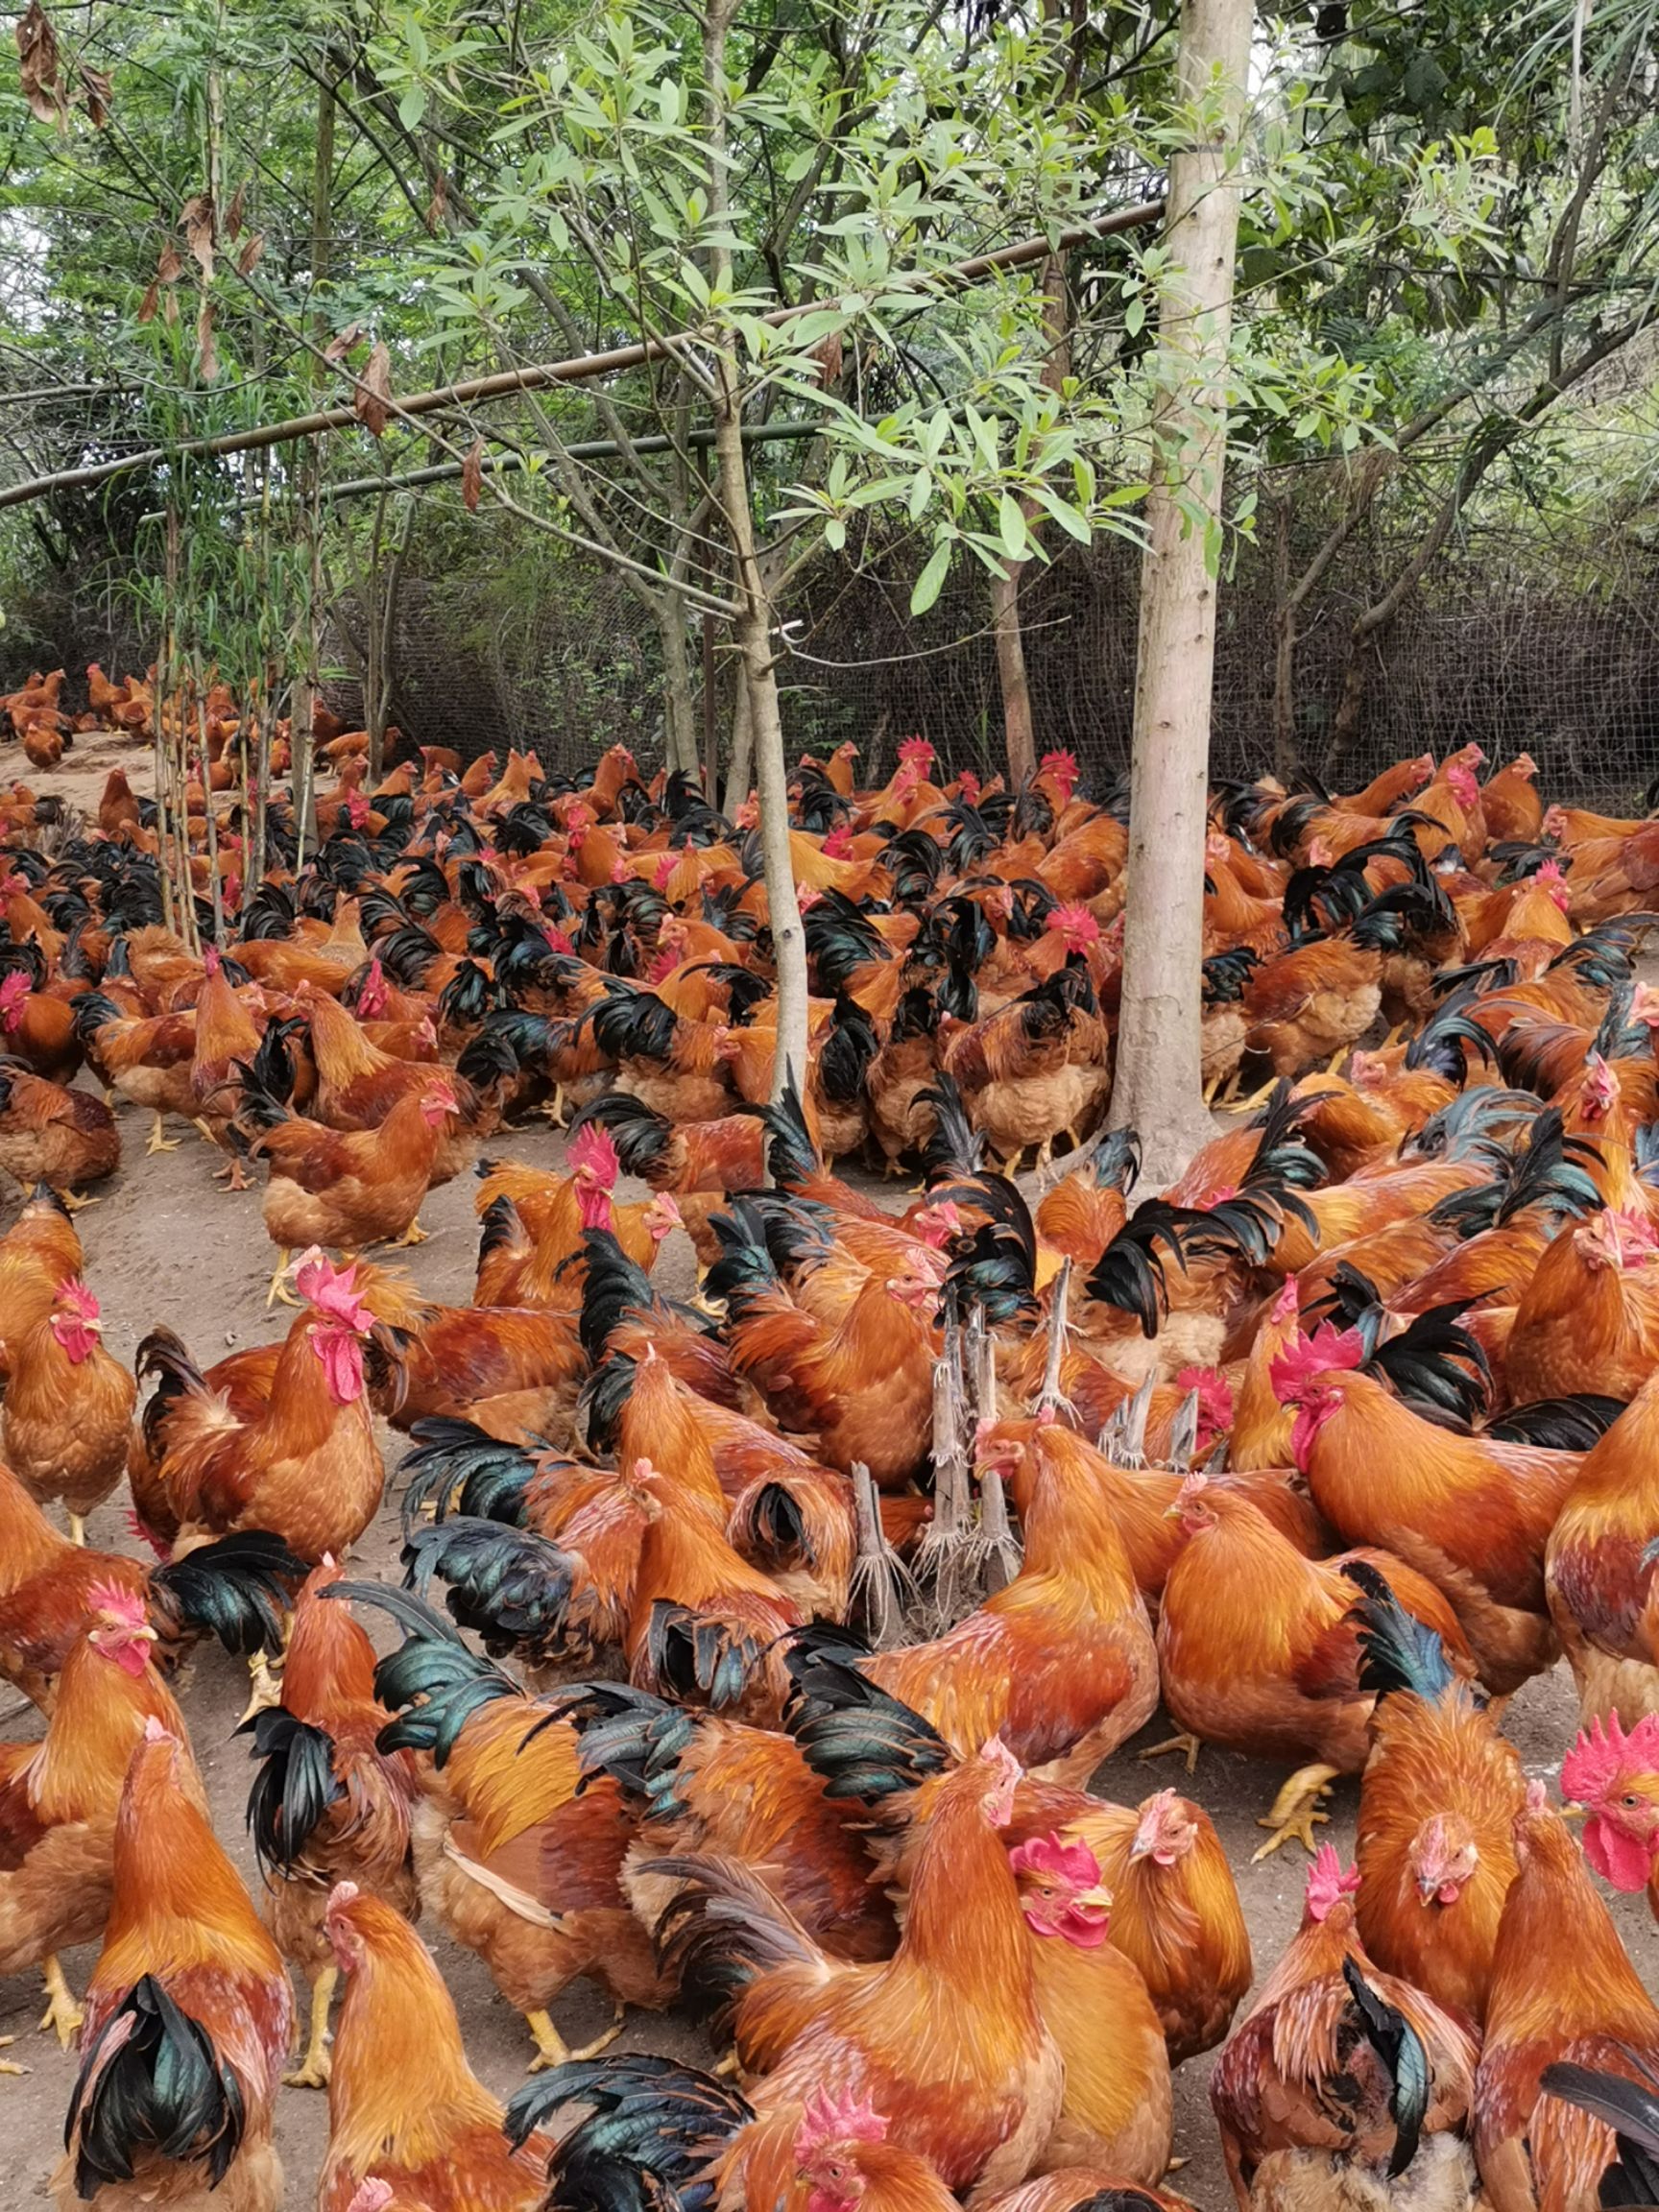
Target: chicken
column 348, row 1191
column 187, row 2018
column 1588, row 1319
column 227, row 1039
column 519, row 1858
column 1059, row 1665
column 1117, row 2108
column 39, row 1029
column 945, row 2038
column 51, row 1135
column 1035, row 1070
column 327, row 1804
column 1563, row 1991
column 147, row 1059
column 1344, row 2085
column 716, row 1788
column 1471, row 1514
column 68, row 1408
column 234, row 1589
column 39, row 1251
column 357, row 1086
column 1614, row 1776
column 1258, row 1647
column 284, row 1441
column 404, row 2107
column 1598, row 1568
column 59, row 1798
column 1307, row 1005
column 1437, row 1805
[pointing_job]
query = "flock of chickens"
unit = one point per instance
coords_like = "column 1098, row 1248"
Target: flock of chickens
column 783, row 1628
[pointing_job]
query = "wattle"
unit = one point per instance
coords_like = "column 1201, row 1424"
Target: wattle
column 1620, row 1858
column 342, row 1358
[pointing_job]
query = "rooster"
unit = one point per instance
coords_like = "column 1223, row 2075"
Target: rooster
column 188, row 2017
column 68, row 1408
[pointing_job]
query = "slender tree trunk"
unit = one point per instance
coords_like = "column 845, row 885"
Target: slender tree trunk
column 753, row 624
column 1283, row 647
column 1158, row 1088
column 740, row 772
column 678, row 704
column 1018, row 735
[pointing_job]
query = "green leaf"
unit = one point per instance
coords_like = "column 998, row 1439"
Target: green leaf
column 412, row 107
column 1011, row 525
column 931, row 581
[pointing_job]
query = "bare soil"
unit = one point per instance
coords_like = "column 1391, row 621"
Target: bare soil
column 166, row 1244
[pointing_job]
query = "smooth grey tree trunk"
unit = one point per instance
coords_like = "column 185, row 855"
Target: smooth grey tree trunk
column 1158, row 1088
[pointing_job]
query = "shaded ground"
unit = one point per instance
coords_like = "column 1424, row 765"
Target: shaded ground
column 165, row 1245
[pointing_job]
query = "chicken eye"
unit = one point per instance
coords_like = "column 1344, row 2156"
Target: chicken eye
column 1630, row 1802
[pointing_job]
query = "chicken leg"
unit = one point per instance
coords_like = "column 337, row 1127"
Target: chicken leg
column 78, row 1530
column 412, row 1235
column 73, row 1202
column 1296, row 1810
column 313, row 2070
column 61, row 2013
column 6, row 2065
column 279, row 1294
column 1188, row 1747
column 267, row 1685
column 552, row 2050
column 159, row 1143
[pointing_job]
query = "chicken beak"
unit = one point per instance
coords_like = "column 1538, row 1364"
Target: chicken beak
column 1096, row 1900
column 1573, row 1811
column 145, row 1635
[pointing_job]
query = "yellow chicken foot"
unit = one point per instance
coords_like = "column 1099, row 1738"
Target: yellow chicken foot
column 551, row 2048
column 1011, row 1166
column 1210, row 1089
column 267, row 1686
column 72, row 1201
column 1340, row 1054
column 279, row 1294
column 412, row 1235
column 1187, row 1746
column 6, row 2065
column 61, row 2013
column 1296, row 1810
column 235, row 1175
column 313, row 2070
column 558, row 1108
column 1045, row 1153
column 727, row 2070
column 78, row 1530
column 1255, row 1099
column 161, row 1143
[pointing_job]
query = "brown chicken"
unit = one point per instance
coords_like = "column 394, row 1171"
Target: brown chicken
column 1563, row 1990
column 1598, row 1568
column 1344, row 2084
column 1259, row 1651
column 68, row 1408
column 327, row 1804
column 1469, row 1513
column 404, row 2107
column 148, row 1059
column 40, row 1250
column 59, row 1798
column 519, row 1858
column 1437, row 1807
column 189, row 2014
column 48, row 1134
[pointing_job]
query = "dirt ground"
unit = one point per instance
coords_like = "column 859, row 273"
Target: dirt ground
column 165, row 1245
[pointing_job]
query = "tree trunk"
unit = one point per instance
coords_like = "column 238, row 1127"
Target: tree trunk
column 740, row 772
column 753, row 625
column 1018, row 735
column 1158, row 1089
column 1284, row 761
column 680, row 708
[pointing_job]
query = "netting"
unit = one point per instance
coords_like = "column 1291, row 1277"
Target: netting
column 1525, row 633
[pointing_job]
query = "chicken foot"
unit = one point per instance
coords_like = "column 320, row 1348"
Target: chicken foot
column 552, row 2050
column 159, row 1143
column 1188, row 1744
column 314, row 2069
column 267, row 1685
column 61, row 2013
column 6, row 2065
column 412, row 1235
column 278, row 1293
column 73, row 1202
column 1296, row 1810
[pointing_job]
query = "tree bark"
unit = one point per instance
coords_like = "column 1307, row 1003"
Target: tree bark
column 754, row 622
column 1158, row 1086
column 680, row 708
column 1019, row 734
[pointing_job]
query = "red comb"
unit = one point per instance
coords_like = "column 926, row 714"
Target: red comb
column 1307, row 1358
column 1327, row 1882
column 125, row 1606
column 824, row 2119
column 594, row 1152
column 1072, row 1863
column 1604, row 1750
